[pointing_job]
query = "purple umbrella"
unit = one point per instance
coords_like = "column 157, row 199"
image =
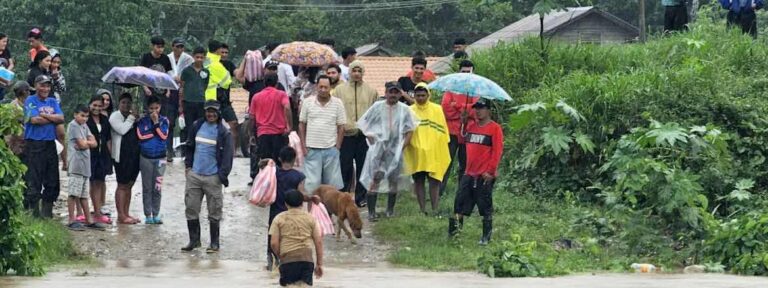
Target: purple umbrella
column 139, row 76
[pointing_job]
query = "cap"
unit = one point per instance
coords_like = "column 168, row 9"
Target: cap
column 482, row 103
column 271, row 63
column 35, row 33
column 177, row 41
column 43, row 79
column 421, row 86
column 392, row 84
column 20, row 86
column 212, row 104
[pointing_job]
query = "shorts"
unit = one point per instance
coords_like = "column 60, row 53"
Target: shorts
column 322, row 167
column 422, row 176
column 126, row 172
column 292, row 273
column 78, row 186
column 101, row 166
column 228, row 113
column 474, row 191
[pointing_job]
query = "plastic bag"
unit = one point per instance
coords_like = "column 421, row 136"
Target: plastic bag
column 254, row 66
column 182, row 123
column 385, row 126
column 264, row 189
column 295, row 142
column 324, row 221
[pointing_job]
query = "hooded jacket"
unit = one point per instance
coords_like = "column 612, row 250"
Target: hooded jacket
column 357, row 98
column 218, row 76
column 225, row 150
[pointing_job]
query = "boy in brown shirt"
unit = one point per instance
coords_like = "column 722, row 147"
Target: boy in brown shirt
column 294, row 232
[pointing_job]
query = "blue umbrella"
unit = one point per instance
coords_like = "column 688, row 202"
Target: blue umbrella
column 472, row 85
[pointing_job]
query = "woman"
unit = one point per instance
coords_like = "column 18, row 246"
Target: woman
column 6, row 61
column 107, row 97
column 101, row 160
column 125, row 154
column 59, row 83
column 41, row 65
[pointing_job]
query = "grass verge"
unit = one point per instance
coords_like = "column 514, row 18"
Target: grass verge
column 56, row 247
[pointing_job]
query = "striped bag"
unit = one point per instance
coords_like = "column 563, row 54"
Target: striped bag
column 295, row 142
column 264, row 189
column 254, row 66
column 324, row 221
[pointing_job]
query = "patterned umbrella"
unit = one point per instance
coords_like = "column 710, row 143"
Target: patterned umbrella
column 472, row 85
column 139, row 76
column 308, row 54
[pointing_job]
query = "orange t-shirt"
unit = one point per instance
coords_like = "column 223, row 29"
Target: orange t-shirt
column 33, row 51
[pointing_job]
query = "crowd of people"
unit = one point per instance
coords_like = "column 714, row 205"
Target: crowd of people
column 350, row 137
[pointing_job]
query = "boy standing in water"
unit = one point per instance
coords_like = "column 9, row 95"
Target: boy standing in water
column 294, row 233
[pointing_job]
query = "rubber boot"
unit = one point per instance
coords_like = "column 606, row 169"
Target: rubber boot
column 391, row 200
column 46, row 210
column 33, row 207
column 194, row 235
column 487, row 230
column 214, row 247
column 452, row 227
column 372, row 197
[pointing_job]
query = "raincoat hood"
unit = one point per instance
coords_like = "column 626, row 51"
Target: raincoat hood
column 357, row 64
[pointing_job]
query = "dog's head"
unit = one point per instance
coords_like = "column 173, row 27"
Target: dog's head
column 353, row 216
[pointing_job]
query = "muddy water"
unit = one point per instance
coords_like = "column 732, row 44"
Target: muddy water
column 243, row 230
column 231, row 274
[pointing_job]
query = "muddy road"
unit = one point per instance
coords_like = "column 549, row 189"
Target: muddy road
column 243, row 229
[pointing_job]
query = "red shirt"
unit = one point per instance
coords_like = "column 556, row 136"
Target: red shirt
column 268, row 110
column 428, row 76
column 453, row 104
column 485, row 144
column 33, row 51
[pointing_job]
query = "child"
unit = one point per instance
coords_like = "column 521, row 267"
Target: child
column 152, row 131
column 485, row 143
column 80, row 142
column 287, row 179
column 293, row 233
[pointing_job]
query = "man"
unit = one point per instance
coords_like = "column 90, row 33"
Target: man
column 675, row 15
column 208, row 163
column 388, row 126
column 348, row 55
column 742, row 14
column 180, row 60
column 294, row 233
column 218, row 86
column 41, row 115
column 456, row 107
column 321, row 129
column 408, row 82
column 485, row 146
column 284, row 71
column 194, row 80
column 357, row 97
column 427, row 155
column 334, row 72
column 270, row 110
column 35, row 39
column 459, row 44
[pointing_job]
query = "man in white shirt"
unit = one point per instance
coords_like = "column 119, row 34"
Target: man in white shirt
column 179, row 58
column 285, row 74
column 348, row 55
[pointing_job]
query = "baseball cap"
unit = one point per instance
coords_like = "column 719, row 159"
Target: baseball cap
column 212, row 104
column 35, row 33
column 177, row 41
column 43, row 79
column 482, row 103
column 271, row 64
column 392, row 84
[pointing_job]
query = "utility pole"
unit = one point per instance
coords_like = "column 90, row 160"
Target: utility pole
column 642, row 20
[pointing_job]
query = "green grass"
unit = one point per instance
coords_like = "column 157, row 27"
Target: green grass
column 56, row 246
column 421, row 241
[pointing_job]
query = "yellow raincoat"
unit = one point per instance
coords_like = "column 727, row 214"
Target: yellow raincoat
column 218, row 76
column 428, row 150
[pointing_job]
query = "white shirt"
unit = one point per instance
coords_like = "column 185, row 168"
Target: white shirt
column 322, row 121
column 120, row 126
column 344, row 72
column 184, row 61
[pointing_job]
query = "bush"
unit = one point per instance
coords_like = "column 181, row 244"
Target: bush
column 740, row 244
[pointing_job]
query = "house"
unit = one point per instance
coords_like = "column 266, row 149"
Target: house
column 574, row 25
column 374, row 49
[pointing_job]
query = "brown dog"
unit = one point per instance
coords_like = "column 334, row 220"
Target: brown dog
column 343, row 206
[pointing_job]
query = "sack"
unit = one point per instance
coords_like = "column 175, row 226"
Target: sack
column 254, row 66
column 295, row 142
column 323, row 219
column 264, row 190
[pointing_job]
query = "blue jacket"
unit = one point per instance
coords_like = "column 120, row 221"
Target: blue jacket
column 732, row 5
column 225, row 150
column 152, row 137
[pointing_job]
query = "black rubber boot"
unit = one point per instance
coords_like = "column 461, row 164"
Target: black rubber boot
column 214, row 247
column 46, row 210
column 391, row 200
column 33, row 207
column 194, row 235
column 372, row 197
column 487, row 231
column 453, row 228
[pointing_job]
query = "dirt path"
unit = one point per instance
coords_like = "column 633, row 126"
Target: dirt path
column 243, row 235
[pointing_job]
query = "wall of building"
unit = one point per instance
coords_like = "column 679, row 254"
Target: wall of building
column 594, row 29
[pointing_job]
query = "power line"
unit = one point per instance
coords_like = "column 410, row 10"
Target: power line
column 81, row 51
column 414, row 5
column 329, row 5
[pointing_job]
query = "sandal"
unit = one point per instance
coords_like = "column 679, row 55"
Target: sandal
column 76, row 226
column 103, row 219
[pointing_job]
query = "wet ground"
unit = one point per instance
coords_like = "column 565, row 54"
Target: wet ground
column 243, row 229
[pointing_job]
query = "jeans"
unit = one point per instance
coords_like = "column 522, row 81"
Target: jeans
column 453, row 148
column 353, row 150
column 321, row 167
column 152, row 171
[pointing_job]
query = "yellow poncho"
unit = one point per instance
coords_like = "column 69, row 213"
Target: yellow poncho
column 428, row 150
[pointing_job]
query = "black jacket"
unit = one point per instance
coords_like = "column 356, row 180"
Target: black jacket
column 225, row 150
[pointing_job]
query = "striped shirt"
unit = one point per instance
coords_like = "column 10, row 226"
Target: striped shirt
column 322, row 121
